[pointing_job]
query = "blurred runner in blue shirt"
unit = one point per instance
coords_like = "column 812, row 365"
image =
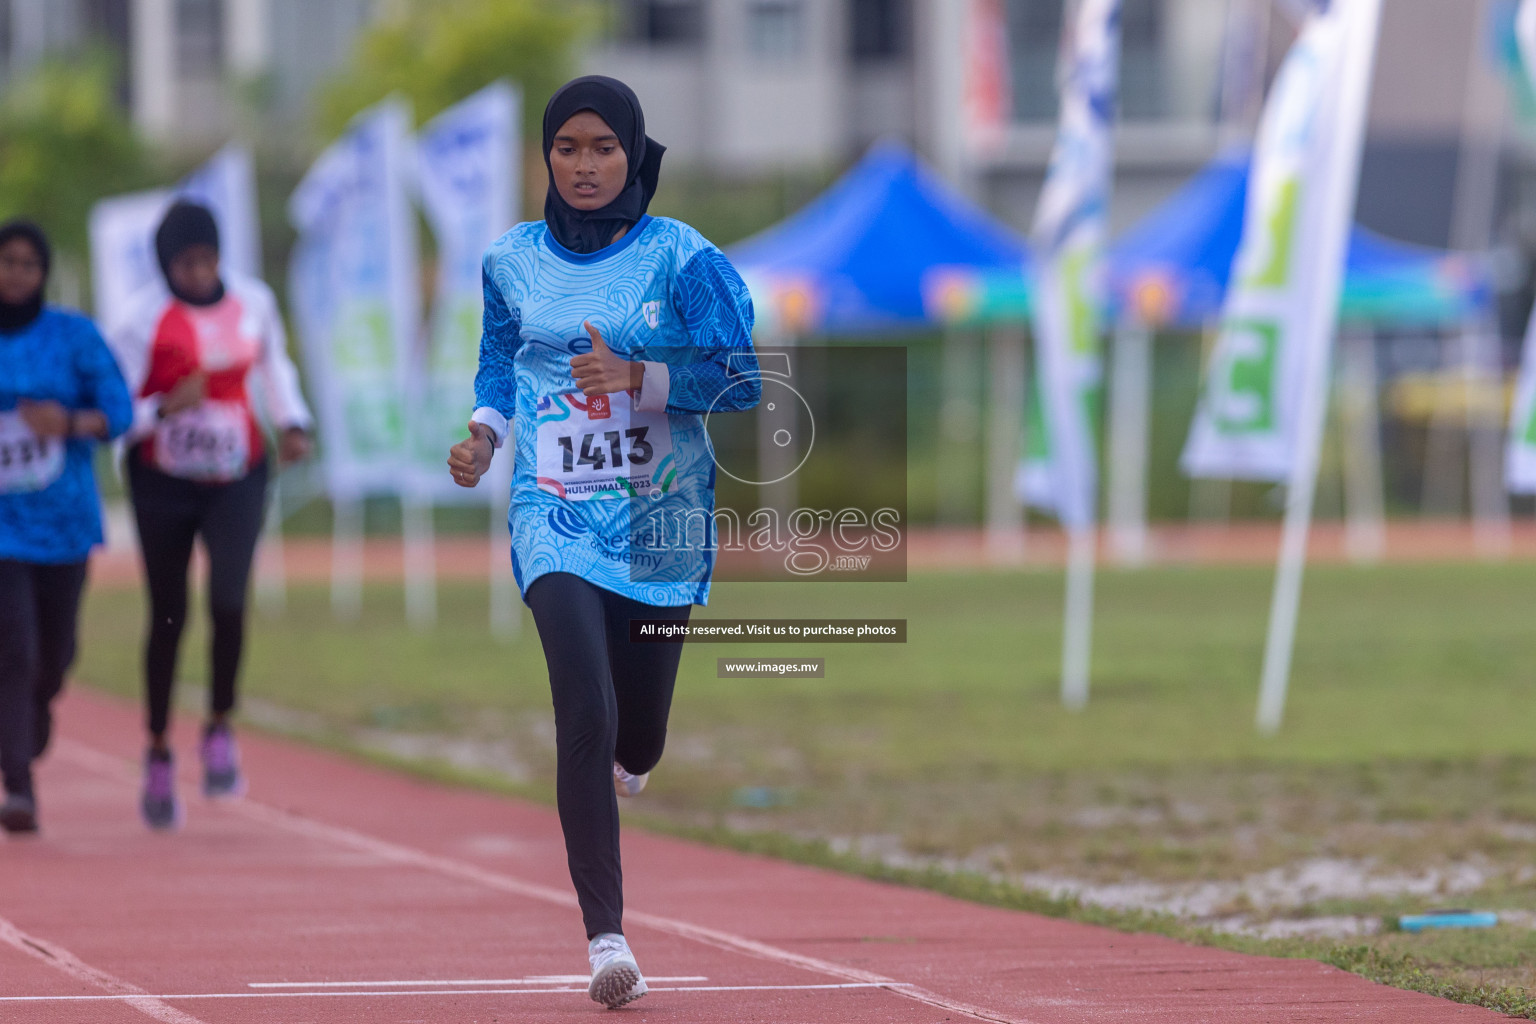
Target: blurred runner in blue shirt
column 61, row 393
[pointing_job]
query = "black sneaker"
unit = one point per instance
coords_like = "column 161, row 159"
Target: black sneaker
column 18, row 815
column 158, row 804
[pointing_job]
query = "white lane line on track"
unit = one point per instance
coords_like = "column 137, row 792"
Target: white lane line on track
column 546, row 979
column 332, row 994
column 90, row 758
column 61, row 959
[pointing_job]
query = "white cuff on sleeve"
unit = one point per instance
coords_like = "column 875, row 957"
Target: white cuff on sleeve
column 655, row 386
column 146, row 415
column 493, row 419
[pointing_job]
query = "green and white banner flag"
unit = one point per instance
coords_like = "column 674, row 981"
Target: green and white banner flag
column 1520, row 457
column 1290, row 260
column 1060, row 471
column 354, row 287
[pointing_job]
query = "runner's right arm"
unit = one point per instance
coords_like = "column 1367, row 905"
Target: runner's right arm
column 495, row 383
column 133, row 342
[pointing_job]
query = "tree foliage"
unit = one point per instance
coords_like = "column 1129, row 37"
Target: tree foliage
column 64, row 143
column 436, row 52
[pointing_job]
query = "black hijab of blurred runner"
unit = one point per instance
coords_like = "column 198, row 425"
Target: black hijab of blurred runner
column 186, row 224
column 585, row 231
column 15, row 316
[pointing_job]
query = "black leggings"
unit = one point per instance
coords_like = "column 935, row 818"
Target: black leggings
column 39, row 607
column 171, row 513
column 611, row 700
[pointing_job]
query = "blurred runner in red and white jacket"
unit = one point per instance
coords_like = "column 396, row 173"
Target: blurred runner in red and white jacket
column 197, row 466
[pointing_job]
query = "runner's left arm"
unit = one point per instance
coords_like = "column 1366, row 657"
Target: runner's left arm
column 282, row 398
column 716, row 309
column 102, row 386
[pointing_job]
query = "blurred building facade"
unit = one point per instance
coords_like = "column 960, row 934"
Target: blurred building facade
column 759, row 87
column 744, row 86
column 188, row 68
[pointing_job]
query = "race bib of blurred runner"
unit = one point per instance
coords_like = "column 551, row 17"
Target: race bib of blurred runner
column 599, row 447
column 208, row 442
column 27, row 462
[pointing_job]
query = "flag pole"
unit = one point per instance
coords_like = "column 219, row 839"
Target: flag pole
column 418, row 541
column 1077, row 631
column 1337, row 214
column 1130, row 423
column 1365, row 528
column 346, row 556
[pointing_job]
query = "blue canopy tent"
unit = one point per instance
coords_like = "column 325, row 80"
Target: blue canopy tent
column 855, row 259
column 1172, row 269
column 1174, row 266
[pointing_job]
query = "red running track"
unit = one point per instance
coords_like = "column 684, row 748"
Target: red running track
column 341, row 893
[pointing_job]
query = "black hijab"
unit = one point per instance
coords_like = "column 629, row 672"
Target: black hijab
column 15, row 317
column 587, row 231
column 186, row 224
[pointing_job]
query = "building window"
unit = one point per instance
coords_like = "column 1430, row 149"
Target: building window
column 106, row 22
column 1034, row 36
column 1142, row 96
column 199, row 37
column 663, row 22
column 879, row 30
column 1034, row 45
column 775, row 28
column 5, row 37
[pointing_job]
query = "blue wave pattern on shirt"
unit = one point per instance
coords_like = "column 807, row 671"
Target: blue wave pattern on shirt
column 59, row 357
column 717, row 309
column 666, row 295
column 500, row 338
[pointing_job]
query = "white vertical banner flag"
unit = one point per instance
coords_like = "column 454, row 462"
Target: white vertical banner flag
column 1278, row 323
column 1262, row 413
column 1059, row 472
column 1060, row 468
column 1520, row 456
column 122, row 229
column 354, row 288
column 469, row 163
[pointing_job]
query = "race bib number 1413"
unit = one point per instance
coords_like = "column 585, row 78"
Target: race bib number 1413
column 598, row 447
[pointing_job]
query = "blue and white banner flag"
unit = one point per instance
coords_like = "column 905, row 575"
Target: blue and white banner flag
column 1060, row 472
column 469, row 159
column 354, row 288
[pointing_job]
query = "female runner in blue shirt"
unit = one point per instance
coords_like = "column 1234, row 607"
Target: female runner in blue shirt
column 608, row 334
column 60, row 394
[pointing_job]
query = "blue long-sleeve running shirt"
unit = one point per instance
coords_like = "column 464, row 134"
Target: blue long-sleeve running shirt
column 616, row 489
column 50, row 511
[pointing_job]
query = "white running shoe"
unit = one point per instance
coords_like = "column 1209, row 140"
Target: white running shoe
column 626, row 784
column 615, row 977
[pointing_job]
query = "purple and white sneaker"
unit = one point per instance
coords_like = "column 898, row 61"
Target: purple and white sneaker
column 158, row 804
column 221, row 764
